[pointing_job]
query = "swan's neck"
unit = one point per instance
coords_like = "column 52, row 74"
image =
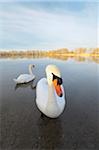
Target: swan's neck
column 30, row 70
column 51, row 90
column 51, row 93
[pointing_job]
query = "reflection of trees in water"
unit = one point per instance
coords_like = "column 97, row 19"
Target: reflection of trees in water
column 76, row 58
column 79, row 58
column 50, row 133
column 61, row 57
column 95, row 59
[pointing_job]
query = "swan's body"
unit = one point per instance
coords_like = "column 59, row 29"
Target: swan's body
column 50, row 102
column 25, row 78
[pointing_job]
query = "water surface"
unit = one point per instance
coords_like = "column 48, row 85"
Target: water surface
column 22, row 126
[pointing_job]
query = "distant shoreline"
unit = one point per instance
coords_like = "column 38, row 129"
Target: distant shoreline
column 80, row 52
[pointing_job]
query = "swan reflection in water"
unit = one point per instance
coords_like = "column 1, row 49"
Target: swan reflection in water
column 30, row 84
column 50, row 133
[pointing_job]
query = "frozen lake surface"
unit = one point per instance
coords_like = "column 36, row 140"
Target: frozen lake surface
column 23, row 128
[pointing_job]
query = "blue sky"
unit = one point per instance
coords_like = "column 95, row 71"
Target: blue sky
column 47, row 24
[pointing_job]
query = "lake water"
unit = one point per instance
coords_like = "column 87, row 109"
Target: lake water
column 23, row 128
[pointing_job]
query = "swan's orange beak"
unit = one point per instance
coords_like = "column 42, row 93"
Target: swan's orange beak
column 57, row 88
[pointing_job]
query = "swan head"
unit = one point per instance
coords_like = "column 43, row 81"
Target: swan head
column 31, row 65
column 54, row 77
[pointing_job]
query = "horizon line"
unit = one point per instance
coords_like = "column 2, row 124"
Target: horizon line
column 33, row 49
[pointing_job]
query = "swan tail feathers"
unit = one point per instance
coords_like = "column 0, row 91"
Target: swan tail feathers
column 15, row 80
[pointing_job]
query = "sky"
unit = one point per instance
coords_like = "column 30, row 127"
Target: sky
column 45, row 25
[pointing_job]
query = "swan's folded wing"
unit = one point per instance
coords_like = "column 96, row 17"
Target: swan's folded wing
column 15, row 80
column 24, row 78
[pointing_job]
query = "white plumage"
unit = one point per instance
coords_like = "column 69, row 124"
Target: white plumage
column 25, row 78
column 47, row 100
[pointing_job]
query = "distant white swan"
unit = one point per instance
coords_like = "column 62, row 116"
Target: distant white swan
column 25, row 78
column 50, row 95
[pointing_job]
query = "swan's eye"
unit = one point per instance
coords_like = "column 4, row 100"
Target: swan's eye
column 59, row 80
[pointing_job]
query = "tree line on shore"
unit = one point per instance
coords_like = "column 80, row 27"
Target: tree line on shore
column 50, row 53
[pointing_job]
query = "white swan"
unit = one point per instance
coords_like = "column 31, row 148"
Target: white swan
column 25, row 78
column 50, row 95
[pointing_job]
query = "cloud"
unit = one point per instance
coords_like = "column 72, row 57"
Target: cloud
column 25, row 27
